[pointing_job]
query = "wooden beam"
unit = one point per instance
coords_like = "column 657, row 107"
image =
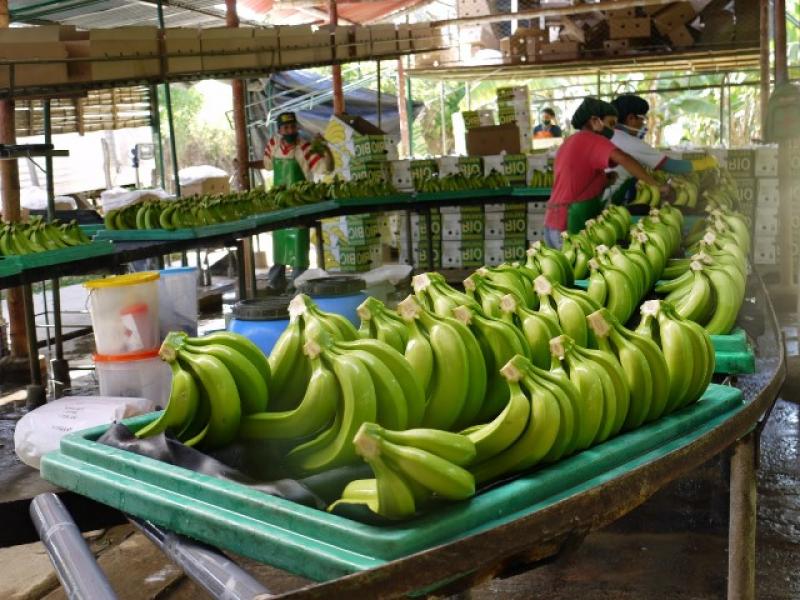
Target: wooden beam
column 556, row 11
column 336, row 70
column 764, row 64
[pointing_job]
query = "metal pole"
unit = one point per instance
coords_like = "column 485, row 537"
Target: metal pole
column 240, row 269
column 156, row 126
column 336, row 70
column 378, row 82
column 442, row 117
column 35, row 391
column 59, row 367
column 764, row 64
column 722, row 112
column 742, row 525
column 409, row 112
column 170, row 122
column 320, row 245
column 402, row 109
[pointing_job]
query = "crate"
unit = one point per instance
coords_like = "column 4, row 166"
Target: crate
column 627, row 28
column 740, row 162
column 463, row 254
column 322, row 546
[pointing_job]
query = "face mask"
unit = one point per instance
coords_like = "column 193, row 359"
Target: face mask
column 546, row 121
column 607, row 132
column 639, row 133
column 290, row 138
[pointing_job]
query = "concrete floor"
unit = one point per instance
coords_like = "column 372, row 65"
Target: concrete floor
column 672, row 547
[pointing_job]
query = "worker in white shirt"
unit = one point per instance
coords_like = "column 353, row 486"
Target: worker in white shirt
column 628, row 134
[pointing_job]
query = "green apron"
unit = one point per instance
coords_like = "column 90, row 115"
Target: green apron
column 580, row 212
column 289, row 246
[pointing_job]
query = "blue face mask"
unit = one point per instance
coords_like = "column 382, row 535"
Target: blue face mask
column 638, row 133
column 290, row 138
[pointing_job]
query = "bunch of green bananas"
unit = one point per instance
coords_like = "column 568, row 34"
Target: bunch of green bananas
column 487, row 286
column 448, row 363
column 567, row 307
column 381, row 323
column 215, row 380
column 723, row 193
column 537, row 327
column 17, row 239
column 542, row 178
column 291, row 368
column 364, row 188
column 609, row 228
column 646, row 194
column 643, row 366
column 687, row 350
column 456, row 182
column 411, row 468
column 686, row 192
column 550, row 262
column 539, row 424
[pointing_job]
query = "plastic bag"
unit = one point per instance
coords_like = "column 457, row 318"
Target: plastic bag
column 40, row 431
column 190, row 175
column 120, row 197
column 35, row 198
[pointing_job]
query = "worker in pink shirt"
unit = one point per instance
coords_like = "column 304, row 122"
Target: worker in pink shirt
column 580, row 170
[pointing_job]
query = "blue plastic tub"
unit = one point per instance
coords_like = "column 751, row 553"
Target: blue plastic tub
column 341, row 294
column 261, row 320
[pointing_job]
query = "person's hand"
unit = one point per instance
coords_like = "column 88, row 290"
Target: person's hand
column 611, row 177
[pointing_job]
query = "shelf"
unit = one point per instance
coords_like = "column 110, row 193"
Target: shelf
column 34, row 151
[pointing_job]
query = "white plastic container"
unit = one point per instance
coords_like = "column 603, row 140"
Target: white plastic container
column 124, row 311
column 136, row 375
column 177, row 300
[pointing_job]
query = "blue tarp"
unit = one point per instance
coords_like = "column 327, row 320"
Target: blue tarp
column 288, row 86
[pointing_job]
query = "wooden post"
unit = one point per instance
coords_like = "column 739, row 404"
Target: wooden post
column 781, row 72
column 402, row 110
column 9, row 183
column 336, row 70
column 742, row 522
column 247, row 276
column 763, row 63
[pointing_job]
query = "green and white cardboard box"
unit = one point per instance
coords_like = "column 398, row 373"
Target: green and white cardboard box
column 351, row 229
column 401, row 175
column 507, row 223
column 353, row 258
column 424, row 169
column 373, row 147
column 507, row 250
column 419, row 231
column 370, row 170
column 519, row 168
column 420, row 256
column 741, row 162
column 462, row 254
column 462, row 223
column 766, row 164
column 493, row 162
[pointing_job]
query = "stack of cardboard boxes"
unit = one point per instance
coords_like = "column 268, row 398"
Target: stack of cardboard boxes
column 514, row 106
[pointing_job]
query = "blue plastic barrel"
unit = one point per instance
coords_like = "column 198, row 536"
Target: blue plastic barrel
column 341, row 294
column 261, row 320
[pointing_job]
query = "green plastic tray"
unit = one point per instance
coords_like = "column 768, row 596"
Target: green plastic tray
column 581, row 284
column 92, row 229
column 223, row 228
column 321, row 546
column 734, row 354
column 373, row 200
column 539, row 192
column 10, row 266
column 145, row 235
column 462, row 194
column 63, row 255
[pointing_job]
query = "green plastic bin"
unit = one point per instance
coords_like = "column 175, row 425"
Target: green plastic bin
column 322, row 546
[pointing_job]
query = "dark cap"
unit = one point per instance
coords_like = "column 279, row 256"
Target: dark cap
column 630, row 104
column 592, row 107
column 287, row 118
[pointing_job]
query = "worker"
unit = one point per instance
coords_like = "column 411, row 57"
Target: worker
column 291, row 159
column 580, row 170
column 547, row 127
column 628, row 137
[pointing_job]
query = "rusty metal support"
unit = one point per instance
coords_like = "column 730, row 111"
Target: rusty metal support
column 781, row 70
column 559, row 11
column 742, row 525
column 763, row 63
column 9, row 184
column 402, row 110
column 336, row 70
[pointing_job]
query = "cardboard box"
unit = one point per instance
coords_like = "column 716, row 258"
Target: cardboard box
column 79, row 72
column 211, row 186
column 353, row 258
column 515, row 167
column 558, row 51
column 265, row 41
column 383, row 39
column 33, row 74
column 463, row 254
column 768, row 193
column 616, row 47
column 345, row 43
column 401, row 175
column 477, row 118
column 462, row 223
column 239, row 42
column 420, row 260
column 748, row 191
column 494, row 139
column 636, row 27
column 766, row 164
column 494, row 163
column 680, row 37
column 424, row 169
column 765, row 252
column 675, row 16
column 124, row 69
column 124, row 33
column 31, row 35
column 470, row 166
column 370, row 170
column 740, row 162
column 518, row 93
column 419, row 227
column 186, row 42
column 425, row 37
column 301, row 44
column 350, row 230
